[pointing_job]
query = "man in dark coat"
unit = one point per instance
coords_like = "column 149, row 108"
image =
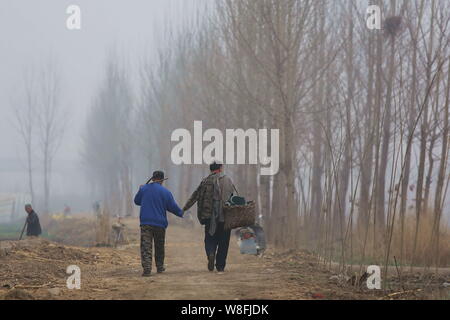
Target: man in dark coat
column 211, row 194
column 33, row 225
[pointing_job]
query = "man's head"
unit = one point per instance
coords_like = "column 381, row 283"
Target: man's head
column 158, row 177
column 215, row 167
column 28, row 208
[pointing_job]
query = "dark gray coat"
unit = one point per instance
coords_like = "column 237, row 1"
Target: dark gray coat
column 33, row 225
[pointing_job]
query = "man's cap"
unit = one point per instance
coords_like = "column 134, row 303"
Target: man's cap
column 215, row 166
column 158, row 176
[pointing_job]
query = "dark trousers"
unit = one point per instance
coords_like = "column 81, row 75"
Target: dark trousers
column 218, row 244
column 150, row 234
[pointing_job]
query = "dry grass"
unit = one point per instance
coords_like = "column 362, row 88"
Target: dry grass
column 72, row 231
column 103, row 228
column 375, row 247
column 88, row 231
column 424, row 251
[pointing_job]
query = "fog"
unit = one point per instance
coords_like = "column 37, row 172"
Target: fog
column 138, row 70
column 359, row 113
column 33, row 32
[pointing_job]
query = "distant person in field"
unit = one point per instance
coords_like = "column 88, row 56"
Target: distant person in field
column 67, row 211
column 211, row 194
column 96, row 208
column 154, row 200
column 33, row 225
column 118, row 229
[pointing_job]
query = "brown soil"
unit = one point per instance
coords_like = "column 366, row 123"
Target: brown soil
column 36, row 269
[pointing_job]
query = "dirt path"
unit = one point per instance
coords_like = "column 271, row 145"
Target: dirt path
column 186, row 276
column 36, row 270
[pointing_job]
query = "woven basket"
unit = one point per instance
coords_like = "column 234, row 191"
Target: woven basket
column 239, row 216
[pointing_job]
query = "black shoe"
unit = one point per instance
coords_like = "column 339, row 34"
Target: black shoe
column 161, row 270
column 146, row 273
column 220, row 270
column 211, row 261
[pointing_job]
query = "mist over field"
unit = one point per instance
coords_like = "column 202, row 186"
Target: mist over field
column 33, row 33
column 354, row 98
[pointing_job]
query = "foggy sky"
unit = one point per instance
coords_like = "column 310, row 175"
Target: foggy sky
column 32, row 32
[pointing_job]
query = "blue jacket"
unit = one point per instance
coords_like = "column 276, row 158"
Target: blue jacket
column 155, row 200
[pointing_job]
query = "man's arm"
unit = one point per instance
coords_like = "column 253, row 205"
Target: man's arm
column 138, row 197
column 173, row 207
column 193, row 199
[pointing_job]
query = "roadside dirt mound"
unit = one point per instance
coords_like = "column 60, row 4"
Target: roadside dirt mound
column 55, row 252
column 36, row 263
column 18, row 294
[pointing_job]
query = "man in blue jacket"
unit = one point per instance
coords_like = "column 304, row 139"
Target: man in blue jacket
column 154, row 200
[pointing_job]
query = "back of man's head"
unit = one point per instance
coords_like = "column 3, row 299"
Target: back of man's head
column 28, row 208
column 158, row 176
column 215, row 166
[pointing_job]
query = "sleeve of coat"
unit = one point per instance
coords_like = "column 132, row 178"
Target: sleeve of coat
column 138, row 197
column 193, row 199
column 172, row 206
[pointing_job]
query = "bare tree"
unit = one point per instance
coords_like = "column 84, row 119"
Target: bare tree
column 108, row 145
column 353, row 106
column 24, row 107
column 51, row 122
